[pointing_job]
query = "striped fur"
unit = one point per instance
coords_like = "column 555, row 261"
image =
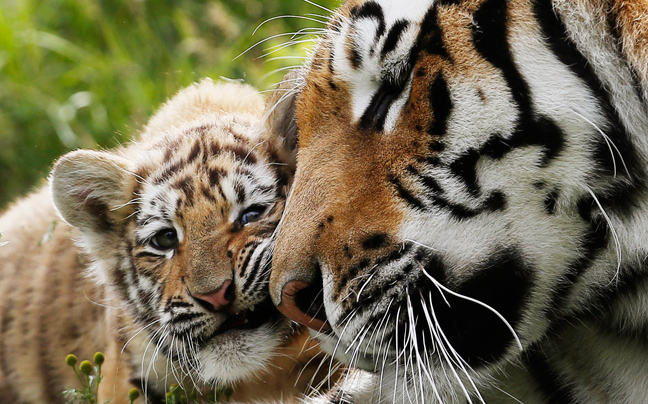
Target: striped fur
column 204, row 168
column 470, row 204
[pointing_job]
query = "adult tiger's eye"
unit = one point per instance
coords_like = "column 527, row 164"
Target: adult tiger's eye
column 165, row 239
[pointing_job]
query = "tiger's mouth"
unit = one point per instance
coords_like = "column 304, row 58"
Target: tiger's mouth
column 262, row 313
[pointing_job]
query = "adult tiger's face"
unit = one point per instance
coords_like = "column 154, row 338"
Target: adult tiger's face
column 180, row 227
column 456, row 158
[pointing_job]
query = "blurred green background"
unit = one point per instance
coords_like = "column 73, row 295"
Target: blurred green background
column 88, row 73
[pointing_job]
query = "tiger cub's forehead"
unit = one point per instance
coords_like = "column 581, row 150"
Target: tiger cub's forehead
column 217, row 168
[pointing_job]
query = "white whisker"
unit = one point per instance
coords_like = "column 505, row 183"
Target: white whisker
column 301, row 17
column 470, row 299
column 615, row 236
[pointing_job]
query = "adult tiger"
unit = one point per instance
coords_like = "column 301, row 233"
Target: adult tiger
column 469, row 213
column 171, row 280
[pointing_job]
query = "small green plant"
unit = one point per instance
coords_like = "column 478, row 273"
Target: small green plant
column 133, row 394
column 2, row 242
column 89, row 376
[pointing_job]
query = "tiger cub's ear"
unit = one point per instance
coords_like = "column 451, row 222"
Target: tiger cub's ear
column 90, row 189
column 280, row 122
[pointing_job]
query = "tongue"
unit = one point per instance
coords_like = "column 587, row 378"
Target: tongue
column 233, row 322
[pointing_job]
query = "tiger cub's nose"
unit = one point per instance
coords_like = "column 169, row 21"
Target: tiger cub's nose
column 219, row 299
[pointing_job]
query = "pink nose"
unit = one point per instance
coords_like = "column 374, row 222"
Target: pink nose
column 220, row 298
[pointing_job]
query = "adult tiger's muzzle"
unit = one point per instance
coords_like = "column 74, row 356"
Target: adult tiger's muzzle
column 297, row 305
column 295, row 282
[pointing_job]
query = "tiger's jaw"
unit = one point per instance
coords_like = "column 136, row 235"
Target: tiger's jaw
column 243, row 352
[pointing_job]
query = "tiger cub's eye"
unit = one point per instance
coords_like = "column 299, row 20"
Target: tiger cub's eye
column 165, row 239
column 252, row 214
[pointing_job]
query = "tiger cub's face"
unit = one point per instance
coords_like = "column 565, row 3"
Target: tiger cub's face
column 451, row 179
column 180, row 225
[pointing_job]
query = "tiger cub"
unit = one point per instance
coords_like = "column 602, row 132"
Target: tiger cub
column 170, row 277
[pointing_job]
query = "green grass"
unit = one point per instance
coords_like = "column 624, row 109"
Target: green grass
column 89, row 73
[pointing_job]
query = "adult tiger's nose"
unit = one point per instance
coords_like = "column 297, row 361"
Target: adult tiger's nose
column 303, row 302
column 296, row 285
column 296, row 279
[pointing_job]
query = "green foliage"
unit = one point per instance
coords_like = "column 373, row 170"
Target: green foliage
column 89, row 376
column 89, row 73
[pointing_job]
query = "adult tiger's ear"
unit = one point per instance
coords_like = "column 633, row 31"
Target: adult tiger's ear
column 91, row 190
column 280, row 121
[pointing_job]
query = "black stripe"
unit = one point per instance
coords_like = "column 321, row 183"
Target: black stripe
column 629, row 284
column 459, row 212
column 250, row 244
column 168, row 171
column 392, row 87
column 246, row 262
column 433, row 187
column 495, row 201
column 207, row 193
column 623, row 199
column 330, row 62
column 215, row 175
column 142, row 219
column 176, row 304
column 491, row 41
column 240, row 153
column 179, row 318
column 501, row 281
column 376, row 113
column 542, row 131
column 441, row 105
column 405, row 194
column 593, row 241
column 375, row 293
column 430, row 38
column 554, row 386
column 252, row 275
column 370, row 10
column 145, row 254
column 465, row 168
column 349, row 275
column 375, row 241
column 240, row 193
column 194, row 152
column 393, row 37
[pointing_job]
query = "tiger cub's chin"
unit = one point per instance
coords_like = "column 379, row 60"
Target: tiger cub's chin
column 175, row 233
